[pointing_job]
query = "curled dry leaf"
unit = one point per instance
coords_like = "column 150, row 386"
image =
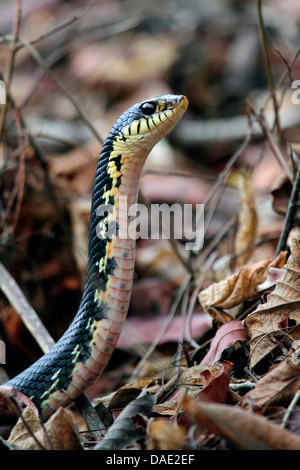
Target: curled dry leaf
column 166, row 435
column 280, row 315
column 277, row 387
column 240, row 286
column 225, row 336
column 248, row 220
column 242, row 428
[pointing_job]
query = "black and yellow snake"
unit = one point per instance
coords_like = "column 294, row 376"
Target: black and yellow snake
column 80, row 356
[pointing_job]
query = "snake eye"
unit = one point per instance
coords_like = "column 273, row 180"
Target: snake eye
column 148, row 108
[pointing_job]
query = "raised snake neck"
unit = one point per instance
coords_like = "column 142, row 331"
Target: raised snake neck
column 80, row 356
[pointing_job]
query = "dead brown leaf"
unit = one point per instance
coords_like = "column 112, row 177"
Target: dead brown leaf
column 215, row 386
column 277, row 387
column 22, row 434
column 242, row 428
column 12, row 404
column 225, row 336
column 166, row 435
column 280, row 315
column 248, row 220
column 240, row 286
column 59, row 432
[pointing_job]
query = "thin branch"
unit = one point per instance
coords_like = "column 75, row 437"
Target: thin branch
column 290, row 409
column 61, row 26
column 62, row 88
column 291, row 213
column 271, row 141
column 29, row 317
column 90, row 416
column 262, row 32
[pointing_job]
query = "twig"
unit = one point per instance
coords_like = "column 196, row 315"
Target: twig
column 61, row 26
column 63, row 89
column 290, row 409
column 90, row 416
column 72, row 46
column 184, row 306
column 274, row 147
column 17, row 299
column 239, row 386
column 291, row 213
column 269, row 74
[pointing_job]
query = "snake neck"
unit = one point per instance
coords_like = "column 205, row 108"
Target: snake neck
column 111, row 251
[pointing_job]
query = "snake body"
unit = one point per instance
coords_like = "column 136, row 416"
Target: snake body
column 80, row 356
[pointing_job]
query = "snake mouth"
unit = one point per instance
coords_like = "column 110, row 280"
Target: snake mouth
column 182, row 103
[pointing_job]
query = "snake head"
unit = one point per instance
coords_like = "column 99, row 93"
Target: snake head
column 147, row 122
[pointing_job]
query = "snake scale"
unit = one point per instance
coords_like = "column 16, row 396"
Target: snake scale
column 80, row 356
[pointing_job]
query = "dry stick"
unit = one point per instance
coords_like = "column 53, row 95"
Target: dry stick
column 273, row 145
column 63, row 89
column 61, row 26
column 290, row 409
column 184, row 306
column 72, row 46
column 270, row 79
column 291, row 213
column 93, row 421
column 17, row 299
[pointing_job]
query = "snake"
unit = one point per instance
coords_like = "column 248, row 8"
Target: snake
column 79, row 357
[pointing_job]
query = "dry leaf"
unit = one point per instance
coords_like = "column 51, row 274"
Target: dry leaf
column 241, row 286
column 277, row 387
column 243, row 428
column 215, row 386
column 12, row 404
column 22, row 434
column 130, row 425
column 59, row 432
column 166, row 435
column 248, row 221
column 282, row 307
column 225, row 336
